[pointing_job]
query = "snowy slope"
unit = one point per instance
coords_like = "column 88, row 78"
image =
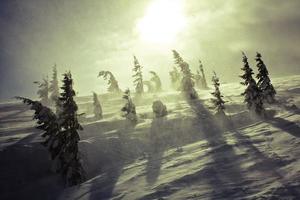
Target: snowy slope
column 187, row 155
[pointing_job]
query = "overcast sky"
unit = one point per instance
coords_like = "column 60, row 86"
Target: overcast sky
column 88, row 36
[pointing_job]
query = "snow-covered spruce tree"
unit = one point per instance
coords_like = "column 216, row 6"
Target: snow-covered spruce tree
column 47, row 121
column 54, row 88
column 187, row 83
column 43, row 91
column 113, row 85
column 138, row 77
column 159, row 109
column 149, row 85
column 71, row 167
column 156, row 80
column 252, row 94
column 175, row 78
column 97, row 107
column 218, row 100
column 128, row 109
column 203, row 79
column 198, row 79
column 264, row 82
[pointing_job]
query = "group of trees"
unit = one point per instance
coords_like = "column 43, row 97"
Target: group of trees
column 257, row 93
column 49, row 92
column 60, row 128
column 60, row 131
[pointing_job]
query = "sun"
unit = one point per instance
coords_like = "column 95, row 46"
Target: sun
column 162, row 22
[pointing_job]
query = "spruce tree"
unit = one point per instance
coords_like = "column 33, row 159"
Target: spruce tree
column 43, row 91
column 252, row 94
column 218, row 100
column 54, row 88
column 198, row 80
column 175, row 78
column 264, row 82
column 113, row 85
column 156, row 80
column 204, row 83
column 128, row 109
column 150, row 86
column 138, row 77
column 97, row 107
column 187, row 83
column 71, row 167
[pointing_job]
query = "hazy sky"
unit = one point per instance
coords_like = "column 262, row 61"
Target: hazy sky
column 93, row 35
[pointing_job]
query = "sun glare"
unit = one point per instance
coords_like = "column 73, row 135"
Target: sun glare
column 163, row 20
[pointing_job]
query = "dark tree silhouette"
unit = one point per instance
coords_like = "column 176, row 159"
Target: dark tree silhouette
column 113, row 85
column 43, row 91
column 175, row 78
column 156, row 80
column 71, row 167
column 203, row 79
column 264, row 82
column 138, row 77
column 159, row 109
column 252, row 94
column 218, row 100
column 54, row 88
column 128, row 109
column 187, row 83
column 97, row 107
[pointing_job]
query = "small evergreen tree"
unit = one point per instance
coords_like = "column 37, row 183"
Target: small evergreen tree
column 138, row 77
column 54, row 88
column 69, row 157
column 113, row 85
column 252, row 93
column 43, row 91
column 159, row 109
column 187, row 83
column 128, row 109
column 264, row 82
column 218, row 101
column 97, row 107
column 175, row 78
column 203, row 79
column 198, row 80
column 156, row 80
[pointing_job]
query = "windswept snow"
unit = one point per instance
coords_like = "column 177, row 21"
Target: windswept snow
column 186, row 155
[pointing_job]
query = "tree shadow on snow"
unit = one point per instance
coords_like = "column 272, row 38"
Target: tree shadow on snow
column 223, row 174
column 290, row 127
column 156, row 148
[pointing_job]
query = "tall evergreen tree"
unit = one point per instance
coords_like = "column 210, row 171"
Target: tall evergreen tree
column 47, row 121
column 54, row 88
column 70, row 161
column 128, row 109
column 218, row 102
column 187, row 83
column 43, row 91
column 264, row 82
column 138, row 77
column 97, row 107
column 156, row 80
column 252, row 94
column 113, row 85
column 175, row 78
column 204, row 83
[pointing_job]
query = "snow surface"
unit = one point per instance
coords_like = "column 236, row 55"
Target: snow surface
column 186, row 155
